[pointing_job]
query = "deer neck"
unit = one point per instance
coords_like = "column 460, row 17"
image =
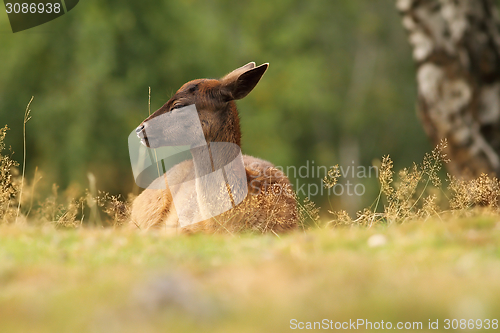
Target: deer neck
column 213, row 156
column 231, row 132
column 214, row 164
column 202, row 160
column 212, row 183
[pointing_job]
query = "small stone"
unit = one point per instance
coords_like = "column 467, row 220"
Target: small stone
column 377, row 240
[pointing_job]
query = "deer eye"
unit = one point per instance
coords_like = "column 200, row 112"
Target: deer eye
column 177, row 106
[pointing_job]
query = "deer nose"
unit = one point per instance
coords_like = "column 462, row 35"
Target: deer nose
column 139, row 129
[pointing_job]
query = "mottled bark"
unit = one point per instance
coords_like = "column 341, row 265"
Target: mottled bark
column 456, row 46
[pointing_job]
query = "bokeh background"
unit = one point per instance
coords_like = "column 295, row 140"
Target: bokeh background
column 340, row 88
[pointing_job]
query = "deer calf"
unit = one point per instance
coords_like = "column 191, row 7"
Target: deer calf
column 269, row 202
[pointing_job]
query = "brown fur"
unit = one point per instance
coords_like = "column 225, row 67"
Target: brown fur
column 270, row 204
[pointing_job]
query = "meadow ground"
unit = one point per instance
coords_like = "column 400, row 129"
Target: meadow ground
column 112, row 280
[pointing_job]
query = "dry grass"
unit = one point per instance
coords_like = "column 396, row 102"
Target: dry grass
column 418, row 193
column 68, row 211
column 9, row 186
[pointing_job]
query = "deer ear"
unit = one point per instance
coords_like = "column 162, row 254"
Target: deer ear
column 241, row 81
column 238, row 71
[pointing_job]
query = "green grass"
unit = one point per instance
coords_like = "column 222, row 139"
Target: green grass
column 104, row 280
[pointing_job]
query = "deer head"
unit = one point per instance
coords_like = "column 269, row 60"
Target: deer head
column 215, row 107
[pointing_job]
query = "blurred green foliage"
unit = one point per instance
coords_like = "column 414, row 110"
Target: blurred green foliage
column 340, row 72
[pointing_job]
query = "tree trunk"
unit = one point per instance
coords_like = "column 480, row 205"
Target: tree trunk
column 456, row 46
